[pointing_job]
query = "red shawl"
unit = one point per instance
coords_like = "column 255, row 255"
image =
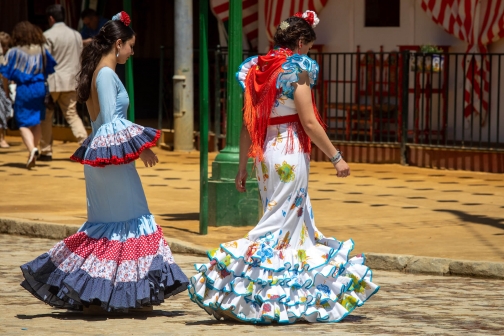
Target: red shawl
column 260, row 95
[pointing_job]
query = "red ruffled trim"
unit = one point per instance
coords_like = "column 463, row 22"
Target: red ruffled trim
column 114, row 160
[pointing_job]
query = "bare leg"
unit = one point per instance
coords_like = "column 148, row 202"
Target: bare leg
column 31, row 137
column 3, row 143
column 37, row 134
column 28, row 138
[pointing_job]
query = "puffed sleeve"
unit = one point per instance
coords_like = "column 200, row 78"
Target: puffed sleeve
column 243, row 70
column 294, row 65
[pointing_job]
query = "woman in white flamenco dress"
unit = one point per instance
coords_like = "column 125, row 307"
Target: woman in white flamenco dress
column 283, row 270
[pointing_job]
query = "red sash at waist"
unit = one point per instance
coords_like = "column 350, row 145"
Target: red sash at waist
column 284, row 119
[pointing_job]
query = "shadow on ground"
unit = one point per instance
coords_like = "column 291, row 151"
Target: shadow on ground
column 78, row 315
column 476, row 219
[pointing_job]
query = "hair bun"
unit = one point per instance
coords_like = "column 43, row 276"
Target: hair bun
column 123, row 17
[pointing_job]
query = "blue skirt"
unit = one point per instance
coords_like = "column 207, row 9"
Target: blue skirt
column 29, row 107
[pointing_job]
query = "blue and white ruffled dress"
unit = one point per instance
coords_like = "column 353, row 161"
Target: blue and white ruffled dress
column 119, row 258
column 283, row 270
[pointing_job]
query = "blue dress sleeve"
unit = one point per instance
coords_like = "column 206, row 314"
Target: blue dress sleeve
column 7, row 67
column 107, row 89
column 294, row 65
column 50, row 63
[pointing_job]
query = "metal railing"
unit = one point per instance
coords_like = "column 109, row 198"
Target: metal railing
column 401, row 98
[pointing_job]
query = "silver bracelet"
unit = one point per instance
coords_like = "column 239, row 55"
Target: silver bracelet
column 336, row 158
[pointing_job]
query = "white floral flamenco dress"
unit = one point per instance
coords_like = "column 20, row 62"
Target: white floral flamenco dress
column 119, row 258
column 284, row 270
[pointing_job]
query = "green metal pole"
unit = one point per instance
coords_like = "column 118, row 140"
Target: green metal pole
column 129, row 72
column 234, row 106
column 203, row 102
column 226, row 205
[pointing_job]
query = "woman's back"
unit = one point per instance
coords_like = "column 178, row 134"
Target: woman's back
column 108, row 99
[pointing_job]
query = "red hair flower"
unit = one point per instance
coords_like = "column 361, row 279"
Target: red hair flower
column 310, row 17
column 123, row 17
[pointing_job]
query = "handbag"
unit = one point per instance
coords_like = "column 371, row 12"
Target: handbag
column 48, row 101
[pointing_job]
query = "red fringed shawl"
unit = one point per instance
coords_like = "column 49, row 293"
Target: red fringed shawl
column 260, row 95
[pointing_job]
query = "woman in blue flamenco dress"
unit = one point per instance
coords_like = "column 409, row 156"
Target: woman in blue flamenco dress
column 284, row 270
column 118, row 259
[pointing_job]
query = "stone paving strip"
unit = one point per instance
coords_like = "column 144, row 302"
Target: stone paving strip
column 406, row 304
column 387, row 262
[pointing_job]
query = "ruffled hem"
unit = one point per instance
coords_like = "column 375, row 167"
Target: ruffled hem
column 115, row 147
column 312, row 289
column 80, row 271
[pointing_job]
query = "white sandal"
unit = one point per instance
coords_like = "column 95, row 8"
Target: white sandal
column 32, row 158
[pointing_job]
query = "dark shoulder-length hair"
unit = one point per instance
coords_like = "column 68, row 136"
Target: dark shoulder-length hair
column 91, row 55
column 25, row 33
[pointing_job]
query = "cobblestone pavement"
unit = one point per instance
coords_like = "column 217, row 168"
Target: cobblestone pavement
column 405, row 305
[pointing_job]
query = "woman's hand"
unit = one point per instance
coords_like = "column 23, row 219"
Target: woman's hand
column 241, row 180
column 149, row 158
column 342, row 168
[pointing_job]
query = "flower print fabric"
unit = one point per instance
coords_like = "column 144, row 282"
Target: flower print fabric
column 283, row 270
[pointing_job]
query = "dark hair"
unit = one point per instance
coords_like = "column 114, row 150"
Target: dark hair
column 25, row 33
column 5, row 41
column 298, row 29
column 87, row 13
column 91, row 55
column 57, row 12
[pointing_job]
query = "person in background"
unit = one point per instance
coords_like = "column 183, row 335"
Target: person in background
column 28, row 64
column 65, row 45
column 92, row 25
column 5, row 102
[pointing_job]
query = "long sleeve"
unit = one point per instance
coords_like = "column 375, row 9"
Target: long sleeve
column 107, row 92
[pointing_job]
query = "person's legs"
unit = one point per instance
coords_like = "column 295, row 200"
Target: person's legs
column 68, row 104
column 3, row 143
column 46, row 128
column 28, row 138
column 37, row 134
column 31, row 138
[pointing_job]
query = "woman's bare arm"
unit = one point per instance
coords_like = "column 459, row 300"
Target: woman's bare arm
column 304, row 107
column 5, row 83
column 241, row 177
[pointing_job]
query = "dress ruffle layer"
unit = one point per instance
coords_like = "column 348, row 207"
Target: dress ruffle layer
column 118, row 275
column 115, row 143
column 258, row 284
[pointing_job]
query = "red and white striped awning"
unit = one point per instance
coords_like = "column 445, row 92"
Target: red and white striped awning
column 277, row 10
column 250, row 17
column 479, row 24
column 274, row 12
